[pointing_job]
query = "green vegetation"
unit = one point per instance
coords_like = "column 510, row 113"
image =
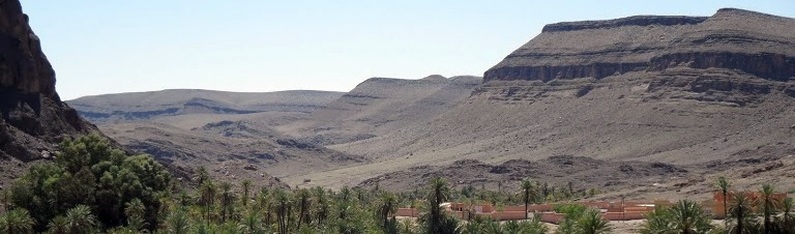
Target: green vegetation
column 92, row 188
column 684, row 217
column 747, row 212
column 91, row 185
column 580, row 219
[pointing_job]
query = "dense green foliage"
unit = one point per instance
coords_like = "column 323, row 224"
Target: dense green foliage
column 580, row 219
column 684, row 217
column 760, row 212
column 93, row 188
column 89, row 177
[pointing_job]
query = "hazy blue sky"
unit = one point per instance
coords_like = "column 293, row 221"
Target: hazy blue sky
column 101, row 47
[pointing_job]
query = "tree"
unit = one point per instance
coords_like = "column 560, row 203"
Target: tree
column 435, row 220
column 227, row 201
column 740, row 210
column 786, row 224
column 207, row 197
column 283, row 206
column 591, row 222
column 304, row 204
column 768, row 205
column 246, row 189
column 201, row 175
column 723, row 184
column 658, row 221
column 80, row 220
column 387, row 206
column 252, row 223
column 264, row 203
column 177, row 222
column 134, row 211
column 688, row 217
column 528, row 194
column 87, row 171
column 17, row 221
column 323, row 206
column 58, row 225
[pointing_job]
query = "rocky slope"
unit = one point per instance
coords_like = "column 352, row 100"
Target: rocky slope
column 695, row 57
column 231, row 150
column 379, row 106
column 34, row 120
column 150, row 105
column 687, row 91
column 627, row 97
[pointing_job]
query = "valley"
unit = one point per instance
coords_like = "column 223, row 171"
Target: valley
column 674, row 95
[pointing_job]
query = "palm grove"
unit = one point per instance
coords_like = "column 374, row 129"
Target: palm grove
column 92, row 188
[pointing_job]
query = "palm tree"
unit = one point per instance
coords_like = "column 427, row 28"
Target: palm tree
column 246, row 189
column 80, row 220
column 740, row 209
column 387, row 207
column 439, row 193
column 528, row 194
column 304, row 204
column 658, row 221
column 227, row 201
column 323, row 205
column 18, row 221
column 688, row 217
column 178, row 222
column 201, row 175
column 786, row 219
column 135, row 210
column 768, row 205
column 264, row 203
column 283, row 206
column 723, row 184
column 252, row 222
column 58, row 225
column 207, row 197
column 591, row 222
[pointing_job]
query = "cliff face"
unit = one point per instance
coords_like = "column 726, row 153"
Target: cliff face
column 33, row 119
column 665, row 49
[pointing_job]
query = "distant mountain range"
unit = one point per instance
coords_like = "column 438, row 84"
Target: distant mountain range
column 673, row 101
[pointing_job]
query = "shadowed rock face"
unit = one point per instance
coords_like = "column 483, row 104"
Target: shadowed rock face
column 749, row 42
column 33, row 119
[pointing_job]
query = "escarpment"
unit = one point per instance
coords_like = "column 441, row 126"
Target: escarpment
column 33, row 118
column 700, row 54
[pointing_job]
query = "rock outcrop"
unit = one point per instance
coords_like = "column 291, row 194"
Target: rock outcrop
column 665, row 49
column 34, row 119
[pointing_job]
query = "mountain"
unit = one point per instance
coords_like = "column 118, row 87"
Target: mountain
column 283, row 134
column 693, row 92
column 729, row 57
column 148, row 105
column 379, row 106
column 229, row 133
column 643, row 105
column 34, row 119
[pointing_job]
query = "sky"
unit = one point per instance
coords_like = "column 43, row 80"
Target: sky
column 114, row 46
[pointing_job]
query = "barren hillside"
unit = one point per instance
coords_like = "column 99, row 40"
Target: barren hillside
column 679, row 90
column 706, row 96
column 379, row 106
column 149, row 105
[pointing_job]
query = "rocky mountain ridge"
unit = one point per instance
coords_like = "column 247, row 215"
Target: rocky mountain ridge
column 751, row 42
column 34, row 119
column 659, row 89
column 708, row 94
